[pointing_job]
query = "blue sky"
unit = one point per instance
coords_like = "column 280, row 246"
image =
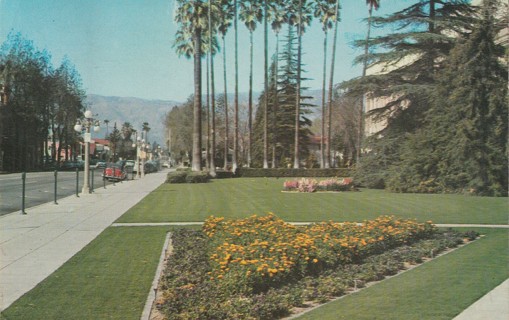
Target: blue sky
column 124, row 47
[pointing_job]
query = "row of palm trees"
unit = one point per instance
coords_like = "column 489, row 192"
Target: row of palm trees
column 202, row 21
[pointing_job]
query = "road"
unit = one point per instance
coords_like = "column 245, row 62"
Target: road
column 40, row 188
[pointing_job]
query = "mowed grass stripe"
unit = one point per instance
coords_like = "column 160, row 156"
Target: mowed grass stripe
column 241, row 197
column 108, row 279
column 440, row 289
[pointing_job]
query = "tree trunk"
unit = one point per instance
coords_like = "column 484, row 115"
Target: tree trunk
column 236, row 97
column 363, row 102
column 266, row 86
column 226, row 120
column 275, row 107
column 296, row 160
column 322, row 138
column 250, row 103
column 212, row 131
column 196, row 164
column 331, row 87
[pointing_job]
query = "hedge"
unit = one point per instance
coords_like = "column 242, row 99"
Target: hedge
column 290, row 172
column 187, row 177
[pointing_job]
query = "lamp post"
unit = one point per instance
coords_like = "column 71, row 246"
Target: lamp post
column 86, row 123
column 140, row 145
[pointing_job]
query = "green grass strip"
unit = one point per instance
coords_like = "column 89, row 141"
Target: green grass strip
column 242, row 197
column 109, row 279
column 440, row 289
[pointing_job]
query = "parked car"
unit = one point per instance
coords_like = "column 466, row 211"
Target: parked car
column 114, row 172
column 100, row 165
column 166, row 164
column 150, row 166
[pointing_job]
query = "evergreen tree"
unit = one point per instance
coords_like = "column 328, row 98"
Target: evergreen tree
column 408, row 61
column 463, row 146
column 284, row 128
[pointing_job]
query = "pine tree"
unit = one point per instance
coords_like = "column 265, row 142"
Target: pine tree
column 462, row 147
column 409, row 60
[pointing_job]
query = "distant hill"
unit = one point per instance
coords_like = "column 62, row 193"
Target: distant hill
column 133, row 110
column 136, row 111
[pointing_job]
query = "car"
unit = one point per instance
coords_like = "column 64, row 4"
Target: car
column 100, row 165
column 114, row 172
column 149, row 167
column 166, row 164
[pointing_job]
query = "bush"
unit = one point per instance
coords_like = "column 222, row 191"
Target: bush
column 224, row 174
column 176, row 177
column 187, row 177
column 197, row 177
column 289, row 172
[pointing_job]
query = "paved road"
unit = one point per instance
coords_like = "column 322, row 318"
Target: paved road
column 40, row 188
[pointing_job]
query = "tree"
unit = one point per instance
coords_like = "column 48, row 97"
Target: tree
column 371, row 4
column 180, row 120
column 192, row 19
column 409, row 59
column 225, row 20
column 250, row 13
column 463, row 145
column 326, row 13
column 236, row 95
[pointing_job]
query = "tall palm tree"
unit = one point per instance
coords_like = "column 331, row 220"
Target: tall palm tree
column 279, row 17
column 296, row 159
column 225, row 22
column 236, row 96
column 324, row 10
column 265, row 84
column 331, row 83
column 212, row 31
column 145, row 128
column 250, row 13
column 107, row 127
column 371, row 4
column 191, row 15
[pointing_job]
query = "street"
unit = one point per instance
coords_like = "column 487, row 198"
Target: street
column 40, row 188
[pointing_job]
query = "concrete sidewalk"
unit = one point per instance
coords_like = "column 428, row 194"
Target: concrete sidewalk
column 493, row 306
column 34, row 245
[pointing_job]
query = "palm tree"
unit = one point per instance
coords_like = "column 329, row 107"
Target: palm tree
column 236, row 96
column 371, row 4
column 107, row 127
column 325, row 12
column 211, row 31
column 190, row 16
column 278, row 18
column 265, row 84
column 250, row 14
column 331, row 83
column 145, row 128
column 225, row 18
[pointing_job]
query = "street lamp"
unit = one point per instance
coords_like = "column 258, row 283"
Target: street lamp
column 86, row 123
column 140, row 145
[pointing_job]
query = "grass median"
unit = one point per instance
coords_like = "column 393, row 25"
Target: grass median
column 241, row 197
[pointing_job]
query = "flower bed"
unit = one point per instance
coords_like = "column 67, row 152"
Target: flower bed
column 262, row 267
column 312, row 185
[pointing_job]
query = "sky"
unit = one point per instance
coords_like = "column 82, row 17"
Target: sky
column 124, row 47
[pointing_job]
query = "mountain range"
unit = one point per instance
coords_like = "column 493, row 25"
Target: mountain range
column 136, row 111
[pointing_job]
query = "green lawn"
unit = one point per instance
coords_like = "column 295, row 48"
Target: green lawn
column 109, row 279
column 440, row 289
column 246, row 196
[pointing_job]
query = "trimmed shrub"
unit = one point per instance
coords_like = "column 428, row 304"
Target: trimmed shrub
column 290, row 172
column 197, row 177
column 176, row 177
column 224, row 174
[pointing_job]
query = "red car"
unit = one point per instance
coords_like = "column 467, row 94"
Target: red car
column 114, row 172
